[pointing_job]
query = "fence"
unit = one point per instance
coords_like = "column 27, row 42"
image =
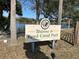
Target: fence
column 68, row 35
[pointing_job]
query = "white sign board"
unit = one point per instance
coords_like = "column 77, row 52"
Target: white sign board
column 35, row 33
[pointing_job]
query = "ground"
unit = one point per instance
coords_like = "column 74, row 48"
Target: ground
column 63, row 50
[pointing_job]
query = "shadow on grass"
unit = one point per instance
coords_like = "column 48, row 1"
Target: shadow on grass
column 36, row 55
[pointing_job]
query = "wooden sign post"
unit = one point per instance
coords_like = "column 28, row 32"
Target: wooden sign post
column 77, row 34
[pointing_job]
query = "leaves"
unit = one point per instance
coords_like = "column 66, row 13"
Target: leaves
column 5, row 4
column 18, row 8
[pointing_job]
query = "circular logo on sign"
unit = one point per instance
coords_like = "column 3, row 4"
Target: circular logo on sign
column 45, row 23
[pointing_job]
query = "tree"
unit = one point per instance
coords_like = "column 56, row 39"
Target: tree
column 45, row 7
column 71, row 10
column 13, row 22
column 60, row 11
column 37, row 9
column 49, row 7
column 18, row 12
column 35, row 5
column 5, row 5
column 1, row 12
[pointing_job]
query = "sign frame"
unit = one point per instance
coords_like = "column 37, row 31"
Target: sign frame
column 30, row 39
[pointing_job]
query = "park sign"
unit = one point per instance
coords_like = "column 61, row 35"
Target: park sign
column 42, row 32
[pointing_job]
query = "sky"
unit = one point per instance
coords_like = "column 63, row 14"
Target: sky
column 27, row 12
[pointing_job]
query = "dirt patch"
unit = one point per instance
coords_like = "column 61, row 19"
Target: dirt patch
column 62, row 50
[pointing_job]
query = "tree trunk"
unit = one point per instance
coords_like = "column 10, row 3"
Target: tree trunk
column 60, row 11
column 37, row 16
column 37, row 11
column 13, row 22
